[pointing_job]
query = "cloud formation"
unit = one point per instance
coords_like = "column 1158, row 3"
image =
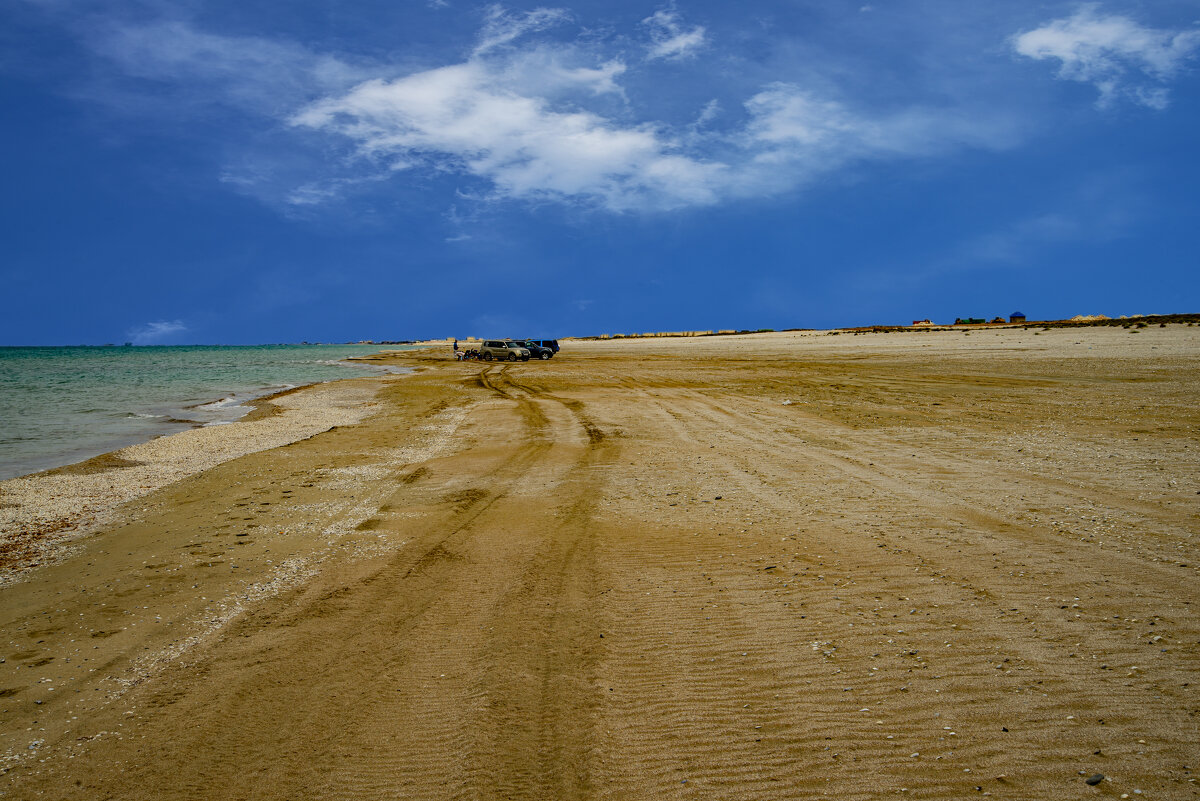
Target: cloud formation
column 794, row 134
column 1120, row 57
column 501, row 28
column 252, row 72
column 670, row 39
column 520, row 122
column 474, row 118
column 522, row 116
column 157, row 333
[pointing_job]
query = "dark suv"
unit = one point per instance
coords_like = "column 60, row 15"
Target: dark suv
column 535, row 350
column 552, row 344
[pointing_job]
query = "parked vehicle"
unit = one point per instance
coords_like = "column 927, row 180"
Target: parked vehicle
column 502, row 350
column 535, row 350
column 552, row 344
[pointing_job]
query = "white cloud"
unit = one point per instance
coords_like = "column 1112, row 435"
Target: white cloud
column 501, row 28
column 312, row 194
column 484, row 119
column 535, row 121
column 551, row 122
column 794, row 135
column 516, row 123
column 670, row 39
column 784, row 114
column 157, row 332
column 1114, row 53
column 711, row 110
column 557, row 72
column 253, row 72
column 474, row 117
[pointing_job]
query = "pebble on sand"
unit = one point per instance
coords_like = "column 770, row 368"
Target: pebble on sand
column 1095, row 779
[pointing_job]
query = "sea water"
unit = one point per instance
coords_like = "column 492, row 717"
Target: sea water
column 62, row 405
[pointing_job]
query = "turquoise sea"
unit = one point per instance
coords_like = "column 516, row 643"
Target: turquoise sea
column 62, row 405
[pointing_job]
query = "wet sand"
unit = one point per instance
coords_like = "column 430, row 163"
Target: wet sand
column 922, row 565
column 41, row 514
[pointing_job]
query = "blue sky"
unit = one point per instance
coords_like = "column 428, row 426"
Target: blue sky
column 216, row 171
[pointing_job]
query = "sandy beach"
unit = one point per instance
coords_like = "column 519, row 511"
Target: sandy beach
column 928, row 565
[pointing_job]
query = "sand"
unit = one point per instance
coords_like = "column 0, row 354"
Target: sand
column 41, row 513
column 923, row 565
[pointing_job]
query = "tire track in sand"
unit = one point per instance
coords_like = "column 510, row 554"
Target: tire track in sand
column 460, row 666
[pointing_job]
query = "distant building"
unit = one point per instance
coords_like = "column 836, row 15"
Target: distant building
column 998, row 320
column 922, row 322
column 969, row 320
column 1016, row 317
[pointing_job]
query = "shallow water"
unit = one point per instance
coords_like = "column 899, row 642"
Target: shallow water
column 61, row 405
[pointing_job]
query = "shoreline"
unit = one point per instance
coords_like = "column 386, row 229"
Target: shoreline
column 858, row 564
column 173, row 416
column 42, row 512
column 93, row 488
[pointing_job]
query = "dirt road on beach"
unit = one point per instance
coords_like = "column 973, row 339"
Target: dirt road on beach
column 927, row 566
